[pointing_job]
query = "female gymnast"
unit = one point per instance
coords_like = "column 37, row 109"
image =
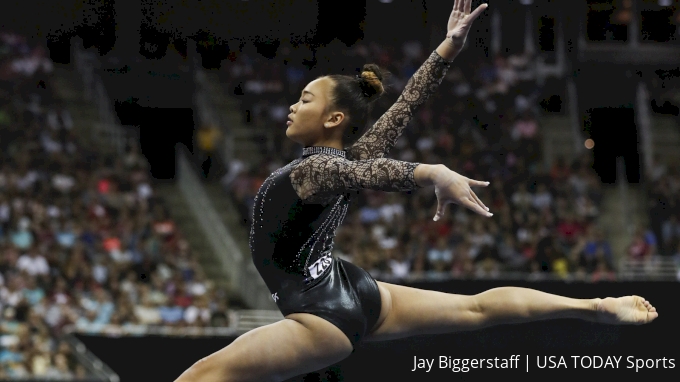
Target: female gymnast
column 330, row 305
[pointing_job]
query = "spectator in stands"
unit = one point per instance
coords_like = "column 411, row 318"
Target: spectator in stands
column 596, row 249
column 670, row 234
column 642, row 246
column 440, row 256
column 207, row 137
column 171, row 314
column 198, row 314
column 603, row 272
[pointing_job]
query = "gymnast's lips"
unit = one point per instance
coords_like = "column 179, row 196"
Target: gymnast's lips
column 290, row 121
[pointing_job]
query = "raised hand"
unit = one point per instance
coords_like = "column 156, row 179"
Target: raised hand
column 451, row 187
column 460, row 22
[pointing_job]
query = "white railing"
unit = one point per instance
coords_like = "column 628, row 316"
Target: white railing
column 96, row 367
column 624, row 188
column 250, row 319
column 656, row 268
column 240, row 321
column 108, row 126
column 155, row 330
column 574, row 116
column 243, row 277
column 220, row 238
column 644, row 124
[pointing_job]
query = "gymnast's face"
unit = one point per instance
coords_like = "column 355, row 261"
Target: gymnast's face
column 311, row 120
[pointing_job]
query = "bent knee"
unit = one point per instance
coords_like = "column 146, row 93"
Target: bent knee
column 474, row 305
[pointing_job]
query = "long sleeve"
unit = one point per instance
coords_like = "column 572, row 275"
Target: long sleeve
column 320, row 176
column 383, row 135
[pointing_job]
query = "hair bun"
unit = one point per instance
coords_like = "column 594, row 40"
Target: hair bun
column 371, row 78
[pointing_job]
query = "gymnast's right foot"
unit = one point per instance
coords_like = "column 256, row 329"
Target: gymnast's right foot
column 625, row 310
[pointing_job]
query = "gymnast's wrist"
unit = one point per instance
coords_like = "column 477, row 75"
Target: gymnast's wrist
column 428, row 175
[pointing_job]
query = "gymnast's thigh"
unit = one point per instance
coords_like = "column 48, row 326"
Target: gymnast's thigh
column 407, row 311
column 299, row 344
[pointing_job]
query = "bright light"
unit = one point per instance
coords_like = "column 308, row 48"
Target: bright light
column 589, row 143
column 665, row 3
column 385, row 1
column 526, row 2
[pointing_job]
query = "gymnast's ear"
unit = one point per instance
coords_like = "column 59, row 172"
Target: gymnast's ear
column 334, row 119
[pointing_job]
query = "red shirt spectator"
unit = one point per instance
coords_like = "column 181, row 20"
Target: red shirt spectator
column 569, row 229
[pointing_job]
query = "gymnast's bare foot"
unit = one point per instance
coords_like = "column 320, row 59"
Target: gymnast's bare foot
column 625, row 310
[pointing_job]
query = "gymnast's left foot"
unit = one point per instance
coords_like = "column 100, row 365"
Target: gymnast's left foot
column 625, row 310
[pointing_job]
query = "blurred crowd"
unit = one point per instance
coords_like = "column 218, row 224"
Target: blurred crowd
column 664, row 211
column 84, row 242
column 483, row 122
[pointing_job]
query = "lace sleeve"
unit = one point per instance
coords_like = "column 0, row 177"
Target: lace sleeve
column 383, row 135
column 321, row 176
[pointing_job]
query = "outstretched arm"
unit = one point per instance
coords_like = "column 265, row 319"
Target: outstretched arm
column 322, row 175
column 383, row 135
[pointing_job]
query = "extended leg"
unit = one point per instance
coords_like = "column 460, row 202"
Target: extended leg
column 299, row 344
column 409, row 311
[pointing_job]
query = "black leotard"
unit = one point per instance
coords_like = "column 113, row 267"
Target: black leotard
column 299, row 207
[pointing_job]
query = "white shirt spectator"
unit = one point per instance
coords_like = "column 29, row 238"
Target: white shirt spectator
column 26, row 181
column 120, row 256
column 197, row 289
column 435, row 254
column 11, row 298
column 148, row 315
column 400, row 268
column 193, row 313
column 100, row 273
column 391, row 211
column 33, row 265
column 53, row 211
column 4, row 212
column 481, row 239
column 144, row 191
column 63, row 183
column 542, row 200
column 388, row 242
column 425, row 143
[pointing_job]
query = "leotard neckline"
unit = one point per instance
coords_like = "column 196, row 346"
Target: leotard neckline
column 312, row 150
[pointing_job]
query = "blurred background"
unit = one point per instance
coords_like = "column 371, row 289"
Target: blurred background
column 135, row 135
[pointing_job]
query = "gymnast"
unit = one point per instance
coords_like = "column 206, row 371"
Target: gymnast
column 330, row 305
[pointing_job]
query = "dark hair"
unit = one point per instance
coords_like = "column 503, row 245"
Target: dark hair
column 355, row 95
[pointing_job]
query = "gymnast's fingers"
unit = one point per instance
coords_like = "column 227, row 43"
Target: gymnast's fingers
column 458, row 5
column 477, row 183
column 479, row 201
column 441, row 206
column 478, row 11
column 469, row 203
